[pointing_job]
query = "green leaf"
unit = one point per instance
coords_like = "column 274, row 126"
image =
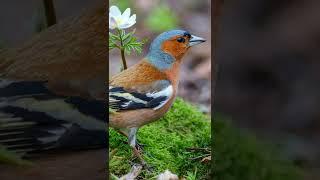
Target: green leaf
column 112, row 44
column 129, row 41
column 114, row 37
column 129, row 35
column 132, row 44
column 123, row 33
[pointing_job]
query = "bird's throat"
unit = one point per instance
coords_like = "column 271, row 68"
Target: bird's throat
column 161, row 60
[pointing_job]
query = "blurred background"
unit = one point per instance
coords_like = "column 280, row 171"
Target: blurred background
column 269, row 74
column 157, row 16
column 20, row 20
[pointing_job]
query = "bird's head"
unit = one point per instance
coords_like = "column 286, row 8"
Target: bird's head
column 170, row 47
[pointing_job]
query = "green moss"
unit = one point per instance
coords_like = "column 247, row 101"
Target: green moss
column 10, row 158
column 241, row 156
column 237, row 155
column 166, row 142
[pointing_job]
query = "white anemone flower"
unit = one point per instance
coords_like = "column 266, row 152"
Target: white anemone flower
column 121, row 21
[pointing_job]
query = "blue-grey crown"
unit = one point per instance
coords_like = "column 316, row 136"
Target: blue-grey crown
column 156, row 56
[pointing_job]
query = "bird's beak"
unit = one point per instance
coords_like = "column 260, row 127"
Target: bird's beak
column 194, row 40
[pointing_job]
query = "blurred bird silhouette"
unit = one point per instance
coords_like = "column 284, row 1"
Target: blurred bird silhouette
column 144, row 92
column 52, row 88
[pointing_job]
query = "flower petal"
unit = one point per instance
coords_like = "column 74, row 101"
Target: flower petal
column 127, row 25
column 126, row 15
column 133, row 18
column 112, row 23
column 124, row 26
column 114, row 11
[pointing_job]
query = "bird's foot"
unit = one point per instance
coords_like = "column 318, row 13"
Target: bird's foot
column 148, row 167
column 137, row 152
column 140, row 147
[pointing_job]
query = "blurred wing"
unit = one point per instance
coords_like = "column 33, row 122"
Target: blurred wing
column 153, row 96
column 33, row 119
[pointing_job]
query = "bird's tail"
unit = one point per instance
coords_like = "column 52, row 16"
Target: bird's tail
column 33, row 119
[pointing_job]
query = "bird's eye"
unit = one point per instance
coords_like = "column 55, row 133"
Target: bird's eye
column 187, row 35
column 181, row 40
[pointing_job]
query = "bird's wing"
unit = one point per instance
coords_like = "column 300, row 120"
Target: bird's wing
column 33, row 119
column 153, row 95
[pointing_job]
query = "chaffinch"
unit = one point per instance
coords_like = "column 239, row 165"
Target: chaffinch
column 144, row 92
column 52, row 88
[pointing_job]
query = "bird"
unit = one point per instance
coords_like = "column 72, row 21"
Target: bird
column 52, row 88
column 145, row 91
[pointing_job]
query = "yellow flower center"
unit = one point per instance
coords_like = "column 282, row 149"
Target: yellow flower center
column 118, row 21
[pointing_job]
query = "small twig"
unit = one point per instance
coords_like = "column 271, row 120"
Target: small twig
column 206, row 159
column 199, row 157
column 198, row 149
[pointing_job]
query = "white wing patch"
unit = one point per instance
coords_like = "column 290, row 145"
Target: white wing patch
column 155, row 97
column 167, row 92
column 129, row 96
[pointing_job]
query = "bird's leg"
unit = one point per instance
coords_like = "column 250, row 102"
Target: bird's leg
column 137, row 148
column 125, row 132
column 133, row 143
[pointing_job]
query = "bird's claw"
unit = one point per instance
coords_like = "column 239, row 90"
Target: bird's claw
column 147, row 167
column 139, row 147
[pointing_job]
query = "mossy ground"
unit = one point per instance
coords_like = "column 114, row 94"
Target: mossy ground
column 166, row 142
column 239, row 155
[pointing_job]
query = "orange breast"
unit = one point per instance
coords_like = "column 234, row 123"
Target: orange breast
column 172, row 74
column 139, row 74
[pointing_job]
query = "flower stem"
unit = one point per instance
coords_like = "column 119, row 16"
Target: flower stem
column 124, row 62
